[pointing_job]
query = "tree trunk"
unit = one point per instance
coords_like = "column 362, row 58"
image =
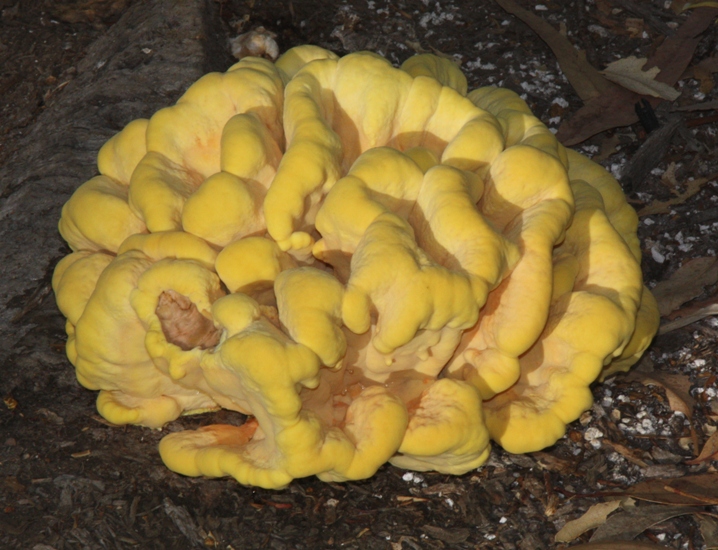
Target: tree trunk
column 144, row 62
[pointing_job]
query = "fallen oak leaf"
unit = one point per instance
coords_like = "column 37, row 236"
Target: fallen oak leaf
column 676, row 53
column 709, row 451
column 611, row 110
column 616, row 107
column 686, row 283
column 629, row 73
column 596, row 515
column 583, row 77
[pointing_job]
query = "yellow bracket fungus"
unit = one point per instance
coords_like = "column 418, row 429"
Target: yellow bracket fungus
column 373, row 264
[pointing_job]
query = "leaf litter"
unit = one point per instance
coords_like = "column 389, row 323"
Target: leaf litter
column 594, row 517
column 629, row 73
column 664, row 207
column 688, row 282
column 615, row 107
column 631, row 521
column 559, row 489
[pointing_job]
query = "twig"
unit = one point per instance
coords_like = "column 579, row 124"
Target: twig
column 705, row 106
column 701, row 120
column 689, row 319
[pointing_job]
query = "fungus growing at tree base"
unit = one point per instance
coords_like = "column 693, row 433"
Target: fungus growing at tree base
column 373, row 264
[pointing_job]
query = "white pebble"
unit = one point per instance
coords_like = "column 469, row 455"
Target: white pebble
column 592, row 434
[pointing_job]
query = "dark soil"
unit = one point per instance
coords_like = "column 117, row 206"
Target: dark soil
column 70, row 480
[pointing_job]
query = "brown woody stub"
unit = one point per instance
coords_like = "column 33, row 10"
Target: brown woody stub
column 182, row 323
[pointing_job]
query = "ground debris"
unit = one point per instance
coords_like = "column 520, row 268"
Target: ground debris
column 633, row 520
column 117, row 494
column 184, row 522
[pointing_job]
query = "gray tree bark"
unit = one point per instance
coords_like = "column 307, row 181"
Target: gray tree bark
column 144, row 62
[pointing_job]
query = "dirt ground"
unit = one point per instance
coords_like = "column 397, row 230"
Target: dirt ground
column 70, row 480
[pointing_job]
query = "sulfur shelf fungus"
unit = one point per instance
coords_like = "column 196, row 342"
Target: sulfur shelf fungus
column 371, row 263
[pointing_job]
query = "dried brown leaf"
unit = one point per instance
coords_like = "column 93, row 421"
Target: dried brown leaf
column 610, row 110
column 698, row 490
column 686, row 283
column 629, row 73
column 709, row 452
column 630, row 523
column 676, row 52
column 584, row 78
column 614, row 108
column 596, row 515
column 663, row 207
column 676, row 386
